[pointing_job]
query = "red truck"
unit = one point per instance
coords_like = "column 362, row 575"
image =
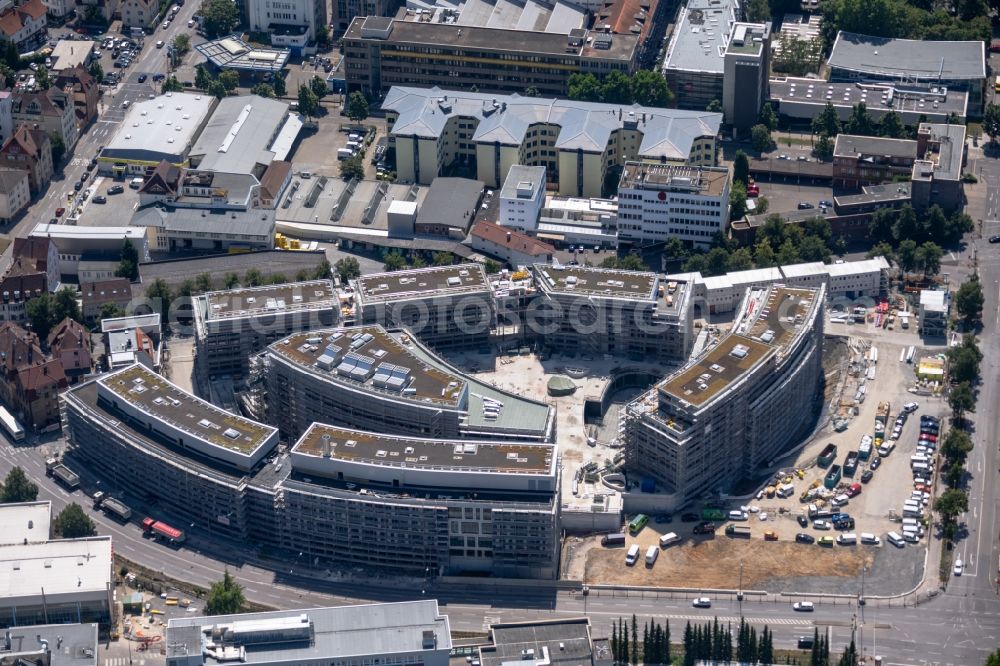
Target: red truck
column 155, row 528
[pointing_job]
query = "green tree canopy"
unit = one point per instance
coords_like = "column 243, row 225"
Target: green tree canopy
column 737, row 201
column 318, row 86
column 760, row 137
column 969, row 300
column 171, row 84
column 394, row 261
column 73, row 523
column 961, row 399
column 741, row 168
column 225, row 597
column 348, row 269
column 649, row 88
column 827, row 122
column 768, row 118
column 159, row 295
column 17, row 487
column 252, row 278
column 182, row 43
column 357, row 106
column 230, row 80
column 220, row 17
column 128, row 267
column 308, row 102
column 964, row 360
column 991, row 121
column 352, row 168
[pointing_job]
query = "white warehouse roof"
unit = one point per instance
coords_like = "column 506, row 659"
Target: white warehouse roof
column 163, row 128
column 63, row 567
column 27, row 522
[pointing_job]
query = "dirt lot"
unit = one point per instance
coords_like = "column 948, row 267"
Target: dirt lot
column 715, row 563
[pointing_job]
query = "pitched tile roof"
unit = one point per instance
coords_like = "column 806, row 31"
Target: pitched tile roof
column 512, row 238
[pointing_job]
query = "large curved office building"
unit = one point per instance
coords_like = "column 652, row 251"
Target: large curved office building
column 371, row 379
column 738, row 404
column 464, row 483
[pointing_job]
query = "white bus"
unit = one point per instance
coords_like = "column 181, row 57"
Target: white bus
column 10, row 425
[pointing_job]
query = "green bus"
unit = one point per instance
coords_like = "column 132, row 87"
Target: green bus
column 636, row 524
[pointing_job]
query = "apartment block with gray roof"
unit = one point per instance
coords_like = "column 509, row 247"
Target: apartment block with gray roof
column 576, row 142
column 737, row 405
column 694, row 64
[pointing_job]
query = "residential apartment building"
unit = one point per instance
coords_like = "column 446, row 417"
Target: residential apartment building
column 367, row 378
column 138, row 13
column 15, row 193
column 598, row 311
column 230, row 326
column 6, row 119
column 576, row 142
column 511, row 246
column 69, row 343
column 78, row 577
column 34, row 254
column 734, row 408
column 657, row 202
column 29, row 150
column 953, row 64
column 444, row 306
column 344, row 11
column 59, row 10
column 52, row 111
column 411, row 632
column 522, row 197
column 84, row 89
column 24, row 24
column 746, row 67
column 17, row 287
column 95, row 295
column 866, row 160
column 29, row 382
column 380, row 53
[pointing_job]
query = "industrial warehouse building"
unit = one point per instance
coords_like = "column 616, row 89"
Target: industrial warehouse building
column 600, row 311
column 736, row 406
column 444, row 306
column 411, row 632
column 51, row 581
column 230, row 326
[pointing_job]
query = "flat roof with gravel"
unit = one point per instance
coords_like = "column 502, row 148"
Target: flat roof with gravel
column 271, row 299
column 606, row 282
column 421, row 283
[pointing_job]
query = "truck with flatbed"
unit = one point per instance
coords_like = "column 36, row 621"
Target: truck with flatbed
column 112, row 507
column 738, row 531
column 160, row 530
column 827, row 455
column 62, row 474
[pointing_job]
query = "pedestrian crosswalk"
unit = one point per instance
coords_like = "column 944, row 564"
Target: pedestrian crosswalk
column 125, row 661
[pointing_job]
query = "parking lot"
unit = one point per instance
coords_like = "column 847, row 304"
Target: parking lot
column 771, row 523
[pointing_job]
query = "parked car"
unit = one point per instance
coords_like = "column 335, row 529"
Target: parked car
column 911, row 407
column 803, row 521
column 84, row 176
column 116, row 189
column 825, row 203
column 701, row 602
column 142, row 78
column 77, row 186
column 159, row 44
column 874, row 465
column 805, row 205
column 821, row 525
column 958, row 567
column 995, row 239
column 866, row 476
column 60, row 211
column 100, row 199
column 802, row 537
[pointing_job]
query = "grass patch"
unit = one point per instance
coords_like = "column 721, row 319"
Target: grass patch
column 947, row 558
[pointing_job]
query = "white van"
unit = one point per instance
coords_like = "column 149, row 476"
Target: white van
column 669, row 538
column 847, row 539
column 911, row 522
column 912, row 537
column 918, row 458
column 912, row 513
column 786, row 490
column 135, row 183
column 344, row 154
column 651, row 554
column 736, row 514
column 869, row 538
column 895, row 540
column 841, row 500
column 632, row 556
column 887, row 447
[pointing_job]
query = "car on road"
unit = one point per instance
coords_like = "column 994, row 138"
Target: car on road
column 159, row 76
column 159, row 44
column 958, row 567
column 866, row 476
column 142, row 78
column 166, row 24
column 911, row 407
column 995, row 239
column 116, row 189
column 805, row 205
column 701, row 602
column 78, row 186
column 60, row 211
column 100, row 199
column 84, row 176
column 874, row 465
column 825, row 203
column 191, row 23
column 803, row 521
column 804, row 606
column 802, row 537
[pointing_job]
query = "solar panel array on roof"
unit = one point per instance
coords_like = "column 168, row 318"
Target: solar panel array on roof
column 360, row 340
column 356, row 366
column 393, row 377
column 329, row 357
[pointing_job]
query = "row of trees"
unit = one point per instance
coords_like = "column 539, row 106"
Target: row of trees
column 969, row 301
column 909, row 19
column 47, row 310
column 778, row 244
column 892, row 227
column 645, row 87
